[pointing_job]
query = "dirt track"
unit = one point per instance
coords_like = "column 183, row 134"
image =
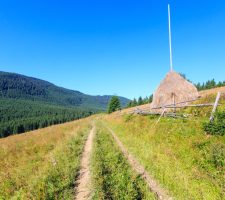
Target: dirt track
column 152, row 183
column 83, row 190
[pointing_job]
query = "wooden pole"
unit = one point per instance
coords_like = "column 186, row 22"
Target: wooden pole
column 215, row 106
column 155, row 108
column 163, row 112
column 174, row 103
column 170, row 40
column 194, row 105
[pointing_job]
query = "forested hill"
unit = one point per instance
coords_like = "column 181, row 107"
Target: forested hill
column 16, row 86
column 28, row 103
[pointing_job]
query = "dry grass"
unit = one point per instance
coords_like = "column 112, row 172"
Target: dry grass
column 175, row 151
column 211, row 91
column 25, row 158
column 174, row 89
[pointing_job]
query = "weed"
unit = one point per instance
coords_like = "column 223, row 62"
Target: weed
column 218, row 155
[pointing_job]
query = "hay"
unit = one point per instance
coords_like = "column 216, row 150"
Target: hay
column 172, row 90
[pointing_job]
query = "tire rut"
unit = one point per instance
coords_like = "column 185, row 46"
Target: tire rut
column 83, row 189
column 153, row 185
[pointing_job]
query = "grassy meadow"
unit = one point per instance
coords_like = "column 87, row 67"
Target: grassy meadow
column 113, row 178
column 177, row 152
column 187, row 162
column 42, row 164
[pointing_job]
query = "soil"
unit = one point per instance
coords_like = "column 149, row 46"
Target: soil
column 83, row 189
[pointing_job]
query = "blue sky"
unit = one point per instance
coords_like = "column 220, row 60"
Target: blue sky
column 114, row 46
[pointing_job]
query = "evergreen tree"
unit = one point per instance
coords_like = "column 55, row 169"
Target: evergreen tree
column 140, row 101
column 134, row 103
column 220, row 84
column 198, row 86
column 114, row 104
column 209, row 85
column 18, row 116
column 129, row 104
column 150, row 98
column 145, row 100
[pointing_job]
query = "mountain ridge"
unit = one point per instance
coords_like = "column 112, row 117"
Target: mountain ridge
column 18, row 86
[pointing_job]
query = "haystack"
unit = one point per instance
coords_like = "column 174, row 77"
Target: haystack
column 174, row 89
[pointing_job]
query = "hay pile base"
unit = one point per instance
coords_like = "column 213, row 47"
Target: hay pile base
column 174, row 89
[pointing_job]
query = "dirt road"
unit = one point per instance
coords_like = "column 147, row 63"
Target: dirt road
column 152, row 183
column 83, row 189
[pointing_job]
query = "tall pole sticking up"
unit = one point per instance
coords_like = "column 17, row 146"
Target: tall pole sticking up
column 170, row 41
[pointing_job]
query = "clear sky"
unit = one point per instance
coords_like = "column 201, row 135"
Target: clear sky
column 112, row 46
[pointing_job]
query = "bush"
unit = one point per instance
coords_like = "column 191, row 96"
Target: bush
column 218, row 155
column 217, row 127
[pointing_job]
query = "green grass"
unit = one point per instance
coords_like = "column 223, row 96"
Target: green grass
column 60, row 178
column 177, row 153
column 112, row 176
column 187, row 162
column 42, row 164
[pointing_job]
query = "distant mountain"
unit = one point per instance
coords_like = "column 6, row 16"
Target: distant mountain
column 28, row 103
column 16, row 86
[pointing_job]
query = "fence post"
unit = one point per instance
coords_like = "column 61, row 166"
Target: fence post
column 215, row 106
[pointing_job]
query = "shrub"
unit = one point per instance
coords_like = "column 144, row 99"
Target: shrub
column 218, row 155
column 217, row 127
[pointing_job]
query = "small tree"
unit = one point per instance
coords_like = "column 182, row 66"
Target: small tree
column 114, row 104
column 140, row 101
column 129, row 104
column 150, row 98
column 134, row 102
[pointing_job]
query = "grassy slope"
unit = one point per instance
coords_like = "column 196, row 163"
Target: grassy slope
column 177, row 152
column 42, row 163
column 113, row 177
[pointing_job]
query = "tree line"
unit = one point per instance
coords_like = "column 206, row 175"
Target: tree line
column 209, row 85
column 19, row 116
column 139, row 101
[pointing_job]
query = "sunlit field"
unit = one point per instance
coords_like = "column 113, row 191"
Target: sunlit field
column 177, row 152
column 42, row 163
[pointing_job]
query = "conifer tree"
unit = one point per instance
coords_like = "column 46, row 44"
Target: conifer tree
column 140, row 101
column 114, row 104
column 134, row 103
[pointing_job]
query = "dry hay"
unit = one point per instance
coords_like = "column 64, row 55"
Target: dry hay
column 172, row 90
column 213, row 91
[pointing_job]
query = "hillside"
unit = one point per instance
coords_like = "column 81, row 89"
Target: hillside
column 44, row 164
column 19, row 116
column 16, row 86
column 131, row 157
column 28, row 103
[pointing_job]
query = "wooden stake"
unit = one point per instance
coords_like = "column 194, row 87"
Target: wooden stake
column 215, row 106
column 163, row 112
column 194, row 105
